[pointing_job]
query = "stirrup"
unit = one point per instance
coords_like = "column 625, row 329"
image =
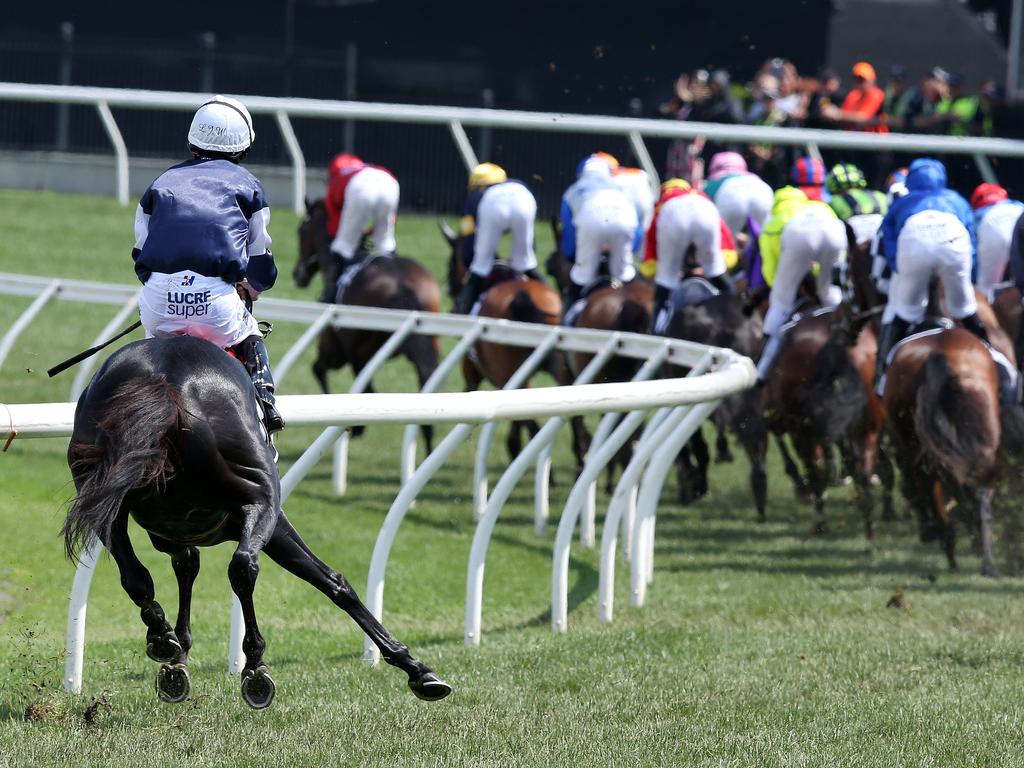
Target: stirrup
column 266, row 327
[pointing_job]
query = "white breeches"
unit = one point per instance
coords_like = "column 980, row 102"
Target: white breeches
column 607, row 221
column 371, row 196
column 933, row 242
column 505, row 208
column 810, row 237
column 688, row 220
column 743, row 196
column 187, row 304
column 865, row 226
column 994, row 235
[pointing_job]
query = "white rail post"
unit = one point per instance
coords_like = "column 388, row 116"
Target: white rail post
column 650, row 489
column 295, row 350
column 362, row 381
column 298, row 161
column 588, row 523
column 26, row 317
column 483, row 445
column 636, row 141
column 440, row 374
column 462, row 143
column 75, row 639
column 120, row 150
column 540, row 511
column 985, row 168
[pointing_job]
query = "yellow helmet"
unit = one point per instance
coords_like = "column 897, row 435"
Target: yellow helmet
column 486, row 174
column 670, row 184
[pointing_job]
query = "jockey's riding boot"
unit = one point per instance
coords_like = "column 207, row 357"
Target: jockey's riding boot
column 533, row 274
column 768, row 354
column 892, row 334
column 661, row 294
column 468, row 295
column 973, row 324
column 572, row 294
column 723, row 283
column 252, row 353
column 1018, row 342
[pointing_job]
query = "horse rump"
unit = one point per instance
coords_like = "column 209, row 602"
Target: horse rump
column 951, row 424
column 835, row 396
column 132, row 448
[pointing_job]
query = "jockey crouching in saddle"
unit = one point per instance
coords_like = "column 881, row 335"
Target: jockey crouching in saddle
column 926, row 231
column 863, row 209
column 202, row 249
column 597, row 218
column 995, row 217
column 738, row 194
column 685, row 218
column 358, row 195
column 799, row 234
column 495, row 205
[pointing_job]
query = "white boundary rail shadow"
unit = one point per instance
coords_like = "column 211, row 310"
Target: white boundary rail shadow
column 635, row 129
column 681, row 405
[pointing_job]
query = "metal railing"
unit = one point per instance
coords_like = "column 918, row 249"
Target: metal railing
column 456, row 118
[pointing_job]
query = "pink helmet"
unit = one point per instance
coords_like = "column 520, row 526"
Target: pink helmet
column 342, row 162
column 723, row 163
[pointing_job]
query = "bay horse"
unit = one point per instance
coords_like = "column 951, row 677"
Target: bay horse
column 168, row 433
column 388, row 282
column 510, row 296
column 944, row 417
column 821, row 395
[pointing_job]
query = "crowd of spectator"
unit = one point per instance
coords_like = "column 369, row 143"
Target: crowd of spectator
column 941, row 102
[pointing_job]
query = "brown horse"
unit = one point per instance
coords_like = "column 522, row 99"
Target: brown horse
column 943, row 414
column 510, row 296
column 821, row 395
column 388, row 282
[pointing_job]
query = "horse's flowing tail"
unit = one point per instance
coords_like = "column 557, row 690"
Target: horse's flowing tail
column 835, row 394
column 524, row 310
column 136, row 425
column 633, row 318
column 951, row 424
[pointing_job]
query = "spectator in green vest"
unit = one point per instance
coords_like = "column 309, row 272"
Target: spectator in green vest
column 960, row 110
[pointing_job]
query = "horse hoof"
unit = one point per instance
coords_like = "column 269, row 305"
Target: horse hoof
column 172, row 683
column 164, row 648
column 724, row 458
column 429, row 687
column 258, row 687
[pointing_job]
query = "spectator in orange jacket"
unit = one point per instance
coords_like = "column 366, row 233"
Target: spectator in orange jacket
column 862, row 108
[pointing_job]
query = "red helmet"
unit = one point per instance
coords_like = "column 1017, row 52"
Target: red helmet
column 343, row 161
column 808, row 171
column 987, row 194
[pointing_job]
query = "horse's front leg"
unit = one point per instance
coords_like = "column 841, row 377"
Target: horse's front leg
column 172, row 681
column 258, row 524
column 287, row 549
column 161, row 642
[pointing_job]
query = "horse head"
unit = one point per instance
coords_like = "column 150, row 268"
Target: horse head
column 315, row 250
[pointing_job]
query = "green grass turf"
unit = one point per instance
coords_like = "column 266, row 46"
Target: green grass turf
column 759, row 645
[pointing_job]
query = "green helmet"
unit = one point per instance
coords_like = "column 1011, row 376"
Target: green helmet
column 844, row 177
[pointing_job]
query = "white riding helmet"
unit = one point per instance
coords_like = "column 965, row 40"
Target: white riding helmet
column 222, row 125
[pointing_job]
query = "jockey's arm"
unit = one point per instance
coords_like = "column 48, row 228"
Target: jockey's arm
column 568, row 231
column 261, row 271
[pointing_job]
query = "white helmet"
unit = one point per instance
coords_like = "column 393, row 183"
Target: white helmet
column 223, row 125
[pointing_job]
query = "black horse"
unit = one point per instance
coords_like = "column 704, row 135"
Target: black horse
column 168, row 433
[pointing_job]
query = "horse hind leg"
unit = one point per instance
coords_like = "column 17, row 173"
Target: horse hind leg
column 172, row 680
column 258, row 686
column 287, row 549
column 162, row 643
column 983, row 498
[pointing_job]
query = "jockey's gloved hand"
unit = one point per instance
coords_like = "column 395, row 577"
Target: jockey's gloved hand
column 245, row 291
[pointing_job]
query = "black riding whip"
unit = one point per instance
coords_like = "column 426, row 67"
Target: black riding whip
column 91, row 351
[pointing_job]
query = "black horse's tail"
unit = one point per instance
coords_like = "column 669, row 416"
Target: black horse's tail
column 950, row 423
column 633, row 318
column 136, row 425
column 524, row 310
column 835, row 394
